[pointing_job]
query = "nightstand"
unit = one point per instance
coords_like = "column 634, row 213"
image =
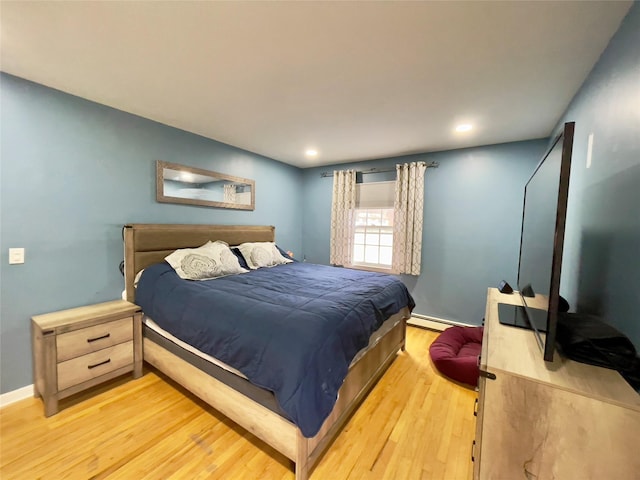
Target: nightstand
column 81, row 347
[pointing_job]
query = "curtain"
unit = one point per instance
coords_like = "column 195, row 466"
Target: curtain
column 343, row 217
column 229, row 193
column 408, row 218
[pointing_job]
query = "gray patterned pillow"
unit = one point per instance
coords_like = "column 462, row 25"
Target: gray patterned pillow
column 212, row 260
column 262, row 254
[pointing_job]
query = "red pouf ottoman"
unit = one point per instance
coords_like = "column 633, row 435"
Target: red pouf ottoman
column 455, row 353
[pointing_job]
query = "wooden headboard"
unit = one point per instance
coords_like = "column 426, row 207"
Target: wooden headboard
column 148, row 243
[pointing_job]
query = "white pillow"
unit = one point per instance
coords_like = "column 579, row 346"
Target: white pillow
column 211, row 260
column 136, row 280
column 262, row 254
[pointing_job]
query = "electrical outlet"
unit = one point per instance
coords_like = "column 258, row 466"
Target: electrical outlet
column 16, row 256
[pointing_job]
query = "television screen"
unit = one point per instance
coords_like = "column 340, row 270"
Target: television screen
column 541, row 244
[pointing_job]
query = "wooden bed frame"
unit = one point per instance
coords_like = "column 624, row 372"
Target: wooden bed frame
column 146, row 244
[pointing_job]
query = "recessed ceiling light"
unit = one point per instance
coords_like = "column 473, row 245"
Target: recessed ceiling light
column 311, row 152
column 464, row 127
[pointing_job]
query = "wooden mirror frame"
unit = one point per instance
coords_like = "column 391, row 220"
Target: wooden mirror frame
column 163, row 198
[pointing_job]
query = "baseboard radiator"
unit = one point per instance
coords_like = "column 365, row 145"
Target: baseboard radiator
column 434, row 323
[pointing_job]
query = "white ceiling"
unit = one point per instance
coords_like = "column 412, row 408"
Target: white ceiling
column 356, row 80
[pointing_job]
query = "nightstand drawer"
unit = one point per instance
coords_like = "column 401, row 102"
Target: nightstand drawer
column 80, row 369
column 91, row 339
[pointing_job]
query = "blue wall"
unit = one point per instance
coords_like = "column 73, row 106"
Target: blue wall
column 72, row 173
column 472, row 218
column 601, row 267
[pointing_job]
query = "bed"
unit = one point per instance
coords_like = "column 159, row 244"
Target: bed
column 254, row 408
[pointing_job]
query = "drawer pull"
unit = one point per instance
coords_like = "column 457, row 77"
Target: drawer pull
column 473, row 451
column 98, row 364
column 489, row 375
column 475, row 408
column 89, row 340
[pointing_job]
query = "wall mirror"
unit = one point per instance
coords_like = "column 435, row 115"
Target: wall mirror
column 195, row 186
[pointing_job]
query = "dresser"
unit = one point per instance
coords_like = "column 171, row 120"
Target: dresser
column 541, row 420
column 78, row 348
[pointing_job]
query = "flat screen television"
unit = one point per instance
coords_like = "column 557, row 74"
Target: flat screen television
column 541, row 243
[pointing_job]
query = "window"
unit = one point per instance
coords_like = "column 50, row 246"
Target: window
column 373, row 230
column 376, row 238
column 373, row 237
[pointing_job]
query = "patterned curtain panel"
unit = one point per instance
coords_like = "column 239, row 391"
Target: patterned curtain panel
column 229, row 193
column 343, row 217
column 408, row 218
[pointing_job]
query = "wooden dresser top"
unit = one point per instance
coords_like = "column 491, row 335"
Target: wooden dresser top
column 515, row 351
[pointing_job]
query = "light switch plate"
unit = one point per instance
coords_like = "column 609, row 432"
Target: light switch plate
column 16, row 256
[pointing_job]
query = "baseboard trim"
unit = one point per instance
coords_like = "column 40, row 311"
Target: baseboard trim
column 16, row 395
column 434, row 323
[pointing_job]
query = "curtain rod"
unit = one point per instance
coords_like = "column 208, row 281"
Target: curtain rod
column 378, row 170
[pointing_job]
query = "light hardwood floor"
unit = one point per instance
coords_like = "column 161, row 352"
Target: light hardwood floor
column 413, row 425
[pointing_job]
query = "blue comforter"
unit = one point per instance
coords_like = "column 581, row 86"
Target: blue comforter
column 292, row 329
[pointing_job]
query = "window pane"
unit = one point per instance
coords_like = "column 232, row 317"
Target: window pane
column 387, row 217
column 358, row 253
column 385, row 255
column 386, row 239
column 371, row 254
column 372, row 239
column 359, row 238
